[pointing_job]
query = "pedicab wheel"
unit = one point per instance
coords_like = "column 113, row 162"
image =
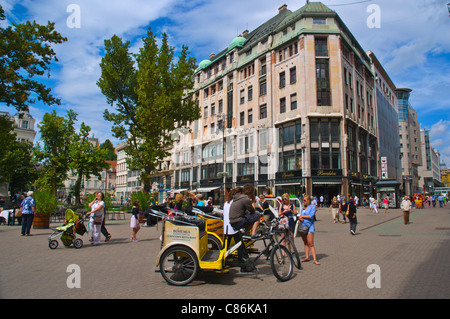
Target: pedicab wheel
column 77, row 243
column 214, row 243
column 281, row 263
column 53, row 244
column 179, row 265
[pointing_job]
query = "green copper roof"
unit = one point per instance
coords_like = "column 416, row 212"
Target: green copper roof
column 237, row 42
column 203, row 64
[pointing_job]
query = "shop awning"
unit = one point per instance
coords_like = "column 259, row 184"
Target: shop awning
column 179, row 190
column 328, row 183
column 206, row 189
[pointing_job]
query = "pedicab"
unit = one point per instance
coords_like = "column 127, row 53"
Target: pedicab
column 418, row 200
column 184, row 251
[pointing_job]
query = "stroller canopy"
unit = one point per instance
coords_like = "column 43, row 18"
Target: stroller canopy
column 71, row 216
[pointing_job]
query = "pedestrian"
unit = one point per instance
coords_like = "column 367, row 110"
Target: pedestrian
column 242, row 211
column 230, row 232
column 306, row 218
column 334, row 209
column 199, row 199
column 441, row 200
column 28, row 207
column 96, row 217
column 386, row 204
column 321, row 200
column 374, row 205
column 406, row 208
column 351, row 214
column 179, row 199
column 287, row 209
column 209, row 203
column 264, row 206
column 134, row 222
column 343, row 210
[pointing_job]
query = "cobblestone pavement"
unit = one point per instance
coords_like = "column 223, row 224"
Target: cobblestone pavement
column 413, row 262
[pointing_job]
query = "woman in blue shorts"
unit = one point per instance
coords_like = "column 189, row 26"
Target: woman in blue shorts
column 306, row 218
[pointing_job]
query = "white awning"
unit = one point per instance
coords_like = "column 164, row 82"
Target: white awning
column 326, row 183
column 179, row 190
column 206, row 189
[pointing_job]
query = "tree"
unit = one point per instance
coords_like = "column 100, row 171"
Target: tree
column 85, row 158
column 17, row 164
column 54, row 155
column 109, row 147
column 147, row 90
column 26, row 52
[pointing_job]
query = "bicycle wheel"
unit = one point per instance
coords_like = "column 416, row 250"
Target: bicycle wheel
column 179, row 265
column 295, row 256
column 281, row 263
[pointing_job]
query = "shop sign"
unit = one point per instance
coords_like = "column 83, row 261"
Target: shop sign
column 288, row 174
column 326, row 172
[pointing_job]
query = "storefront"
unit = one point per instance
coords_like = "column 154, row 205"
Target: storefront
column 326, row 183
column 289, row 182
column 390, row 189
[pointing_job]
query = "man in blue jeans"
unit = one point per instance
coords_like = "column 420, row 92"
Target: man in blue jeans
column 28, row 207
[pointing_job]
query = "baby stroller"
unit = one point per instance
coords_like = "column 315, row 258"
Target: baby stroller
column 73, row 225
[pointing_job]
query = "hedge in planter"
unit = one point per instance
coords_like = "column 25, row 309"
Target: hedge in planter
column 46, row 204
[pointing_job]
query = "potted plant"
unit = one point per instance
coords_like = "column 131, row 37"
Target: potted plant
column 46, row 204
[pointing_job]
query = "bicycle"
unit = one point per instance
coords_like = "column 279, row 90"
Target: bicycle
column 281, row 259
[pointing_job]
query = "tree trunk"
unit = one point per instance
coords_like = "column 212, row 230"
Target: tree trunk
column 77, row 188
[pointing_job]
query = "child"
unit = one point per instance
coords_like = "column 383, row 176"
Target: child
column 134, row 223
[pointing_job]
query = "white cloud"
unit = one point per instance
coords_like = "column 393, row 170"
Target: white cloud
column 440, row 139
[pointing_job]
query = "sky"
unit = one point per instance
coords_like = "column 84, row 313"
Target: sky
column 410, row 38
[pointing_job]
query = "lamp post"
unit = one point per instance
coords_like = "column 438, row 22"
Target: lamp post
column 224, row 173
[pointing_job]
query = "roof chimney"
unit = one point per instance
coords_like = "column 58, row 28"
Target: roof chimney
column 211, row 56
column 245, row 33
column 282, row 8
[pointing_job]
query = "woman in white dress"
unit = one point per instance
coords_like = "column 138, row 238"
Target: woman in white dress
column 96, row 217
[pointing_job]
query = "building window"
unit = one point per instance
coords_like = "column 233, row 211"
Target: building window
column 282, row 80
column 263, row 111
column 262, row 87
column 294, row 101
column 283, row 105
column 250, row 93
column 293, row 75
column 242, row 118
column 250, row 116
column 319, row 21
column 326, row 153
column 321, row 47
column 323, row 82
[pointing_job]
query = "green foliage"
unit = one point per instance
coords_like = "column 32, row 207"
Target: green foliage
column 17, row 165
column 144, row 198
column 26, row 52
column 85, row 158
column 147, row 90
column 109, row 147
column 46, row 202
column 54, row 155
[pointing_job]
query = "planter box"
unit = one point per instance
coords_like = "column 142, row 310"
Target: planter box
column 41, row 221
